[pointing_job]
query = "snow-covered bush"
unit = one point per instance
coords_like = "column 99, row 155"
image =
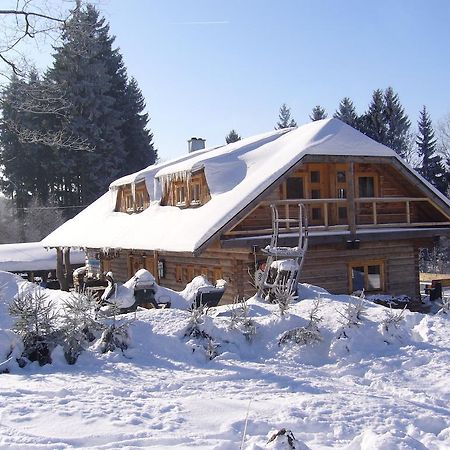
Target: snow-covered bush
column 285, row 439
column 308, row 335
column 390, row 325
column 283, row 295
column 240, row 319
column 353, row 312
column 116, row 332
column 35, row 323
column 78, row 324
column 195, row 329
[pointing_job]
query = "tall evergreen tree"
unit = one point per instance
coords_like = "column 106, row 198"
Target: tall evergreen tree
column 318, row 113
column 284, row 118
column 139, row 148
column 397, row 124
column 104, row 110
column 431, row 164
column 373, row 121
column 232, row 136
column 27, row 166
column 347, row 113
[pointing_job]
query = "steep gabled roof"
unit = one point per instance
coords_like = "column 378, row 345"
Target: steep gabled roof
column 236, row 174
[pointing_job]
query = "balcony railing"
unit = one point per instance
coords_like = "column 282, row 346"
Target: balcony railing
column 343, row 214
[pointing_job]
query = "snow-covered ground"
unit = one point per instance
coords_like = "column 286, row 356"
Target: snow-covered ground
column 369, row 389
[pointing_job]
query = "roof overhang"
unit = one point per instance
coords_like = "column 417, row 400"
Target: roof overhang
column 339, row 237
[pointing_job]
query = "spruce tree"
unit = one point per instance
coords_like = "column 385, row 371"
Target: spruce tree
column 232, row 136
column 431, row 164
column 27, row 166
column 284, row 118
column 318, row 113
column 374, row 120
column 105, row 110
column 139, row 148
column 346, row 112
column 397, row 124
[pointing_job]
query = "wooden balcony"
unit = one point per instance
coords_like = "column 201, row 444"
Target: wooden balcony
column 343, row 214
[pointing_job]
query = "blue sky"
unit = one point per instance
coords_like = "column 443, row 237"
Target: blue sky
column 207, row 66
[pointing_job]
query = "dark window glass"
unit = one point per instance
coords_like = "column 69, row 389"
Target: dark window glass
column 357, row 278
column 340, row 177
column 342, row 212
column 315, row 193
column 366, row 187
column 294, row 187
column 341, row 193
column 316, row 213
column 315, row 176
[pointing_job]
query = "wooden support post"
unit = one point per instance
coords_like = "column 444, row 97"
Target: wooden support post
column 325, row 215
column 60, row 269
column 351, row 200
column 67, row 267
column 408, row 212
column 288, row 225
column 374, row 211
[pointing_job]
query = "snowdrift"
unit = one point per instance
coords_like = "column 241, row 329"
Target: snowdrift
column 369, row 383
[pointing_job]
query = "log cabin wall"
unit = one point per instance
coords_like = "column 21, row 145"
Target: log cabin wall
column 329, row 266
column 230, row 265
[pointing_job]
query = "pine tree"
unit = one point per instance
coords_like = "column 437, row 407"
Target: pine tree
column 373, row 121
column 140, row 151
column 397, row 124
column 284, row 118
column 346, row 112
column 431, row 164
column 318, row 113
column 232, row 136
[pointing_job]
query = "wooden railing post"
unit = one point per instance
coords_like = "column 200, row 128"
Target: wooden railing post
column 408, row 212
column 351, row 201
column 374, row 212
column 325, row 215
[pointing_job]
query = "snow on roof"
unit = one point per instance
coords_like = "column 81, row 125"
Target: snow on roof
column 236, row 174
column 31, row 256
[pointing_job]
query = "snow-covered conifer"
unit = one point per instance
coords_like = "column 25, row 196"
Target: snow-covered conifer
column 431, row 167
column 284, row 118
column 35, row 324
column 318, row 113
column 232, row 136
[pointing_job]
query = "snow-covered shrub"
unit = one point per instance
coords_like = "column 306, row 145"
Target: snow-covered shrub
column 305, row 335
column 35, row 324
column 390, row 325
column 353, row 312
column 195, row 330
column 285, row 439
column 115, row 336
column 78, row 324
column 283, row 295
column 11, row 349
column 116, row 333
column 240, row 320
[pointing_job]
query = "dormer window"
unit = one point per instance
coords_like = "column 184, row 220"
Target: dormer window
column 189, row 190
column 196, row 189
column 180, row 194
column 132, row 202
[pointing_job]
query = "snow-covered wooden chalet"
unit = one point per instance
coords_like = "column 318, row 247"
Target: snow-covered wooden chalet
column 208, row 212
